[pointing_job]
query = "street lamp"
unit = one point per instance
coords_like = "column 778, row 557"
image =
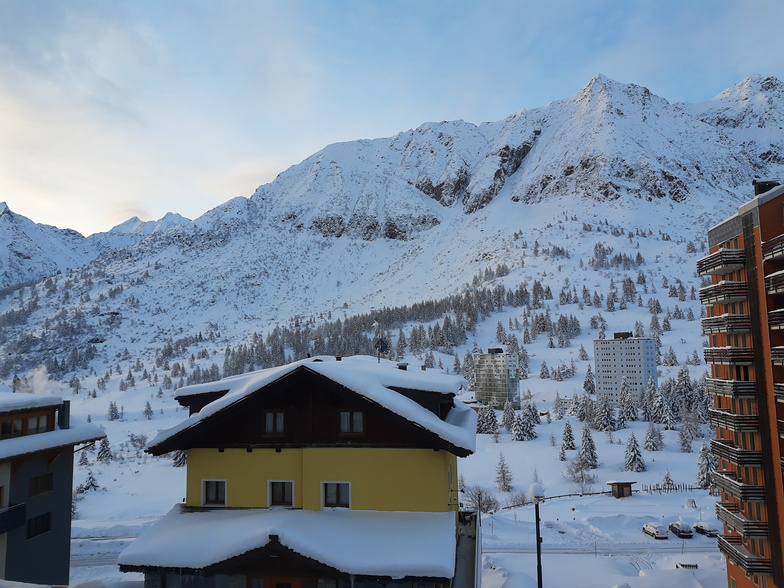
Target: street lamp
column 536, row 492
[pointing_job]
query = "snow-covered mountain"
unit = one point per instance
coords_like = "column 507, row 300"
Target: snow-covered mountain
column 30, row 251
column 377, row 223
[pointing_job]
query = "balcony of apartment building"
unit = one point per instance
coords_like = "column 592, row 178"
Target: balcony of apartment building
column 722, row 261
column 739, row 423
column 727, row 323
column 776, row 320
column 726, row 449
column 725, row 480
column 773, row 249
column 774, row 283
column 725, row 292
column 729, row 513
column 777, row 355
column 731, row 546
column 778, row 392
column 12, row 517
column 730, row 355
column 733, row 388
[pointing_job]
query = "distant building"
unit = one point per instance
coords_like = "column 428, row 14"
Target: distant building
column 36, row 485
column 324, row 473
column 496, row 378
column 623, row 356
column 745, row 329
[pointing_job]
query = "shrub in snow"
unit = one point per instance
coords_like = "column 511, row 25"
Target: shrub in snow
column 480, row 498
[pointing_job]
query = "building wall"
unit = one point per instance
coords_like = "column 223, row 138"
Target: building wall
column 496, row 379
column 45, row 558
column 381, row 478
column 633, row 358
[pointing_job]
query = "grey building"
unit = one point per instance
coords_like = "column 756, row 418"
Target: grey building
column 497, row 378
column 624, row 356
column 36, row 479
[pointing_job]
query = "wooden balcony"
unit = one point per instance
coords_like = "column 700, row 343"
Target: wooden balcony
column 726, row 482
column 721, row 262
column 741, row 423
column 12, row 517
column 729, row 514
column 726, row 449
column 733, row 388
column 724, row 292
column 773, row 249
column 778, row 392
column 780, row 427
column 730, row 355
column 727, row 323
column 774, row 283
column 777, row 355
column 731, row 546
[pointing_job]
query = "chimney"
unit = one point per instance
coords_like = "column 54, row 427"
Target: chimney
column 402, row 366
column 64, row 415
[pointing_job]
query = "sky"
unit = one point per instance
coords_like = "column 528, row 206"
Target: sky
column 110, row 110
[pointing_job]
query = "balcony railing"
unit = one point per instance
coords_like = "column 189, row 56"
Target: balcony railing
column 721, row 262
column 778, row 392
column 731, row 546
column 750, row 458
column 774, row 283
column 724, row 292
column 777, row 355
column 727, row 323
column 776, row 319
column 12, row 517
column 773, row 249
column 726, row 482
column 729, row 514
column 780, row 427
column 733, row 388
column 741, row 423
column 730, row 355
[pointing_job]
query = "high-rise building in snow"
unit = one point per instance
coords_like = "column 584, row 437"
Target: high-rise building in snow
column 745, row 328
column 624, row 356
column 496, row 378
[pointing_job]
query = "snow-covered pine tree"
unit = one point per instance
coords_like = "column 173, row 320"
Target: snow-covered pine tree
column 587, row 451
column 532, row 413
column 588, row 384
column 523, row 429
column 558, row 407
column 653, row 438
column 503, row 475
column 567, row 440
column 544, row 372
column 179, row 458
column 104, row 451
column 633, row 460
column 603, row 417
column 147, row 412
column 487, row 421
column 83, row 461
column 507, row 420
column 562, row 453
column 684, row 440
column 667, row 480
column 706, row 466
column 626, row 405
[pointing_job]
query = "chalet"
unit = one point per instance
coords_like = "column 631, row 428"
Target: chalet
column 324, row 472
column 37, row 444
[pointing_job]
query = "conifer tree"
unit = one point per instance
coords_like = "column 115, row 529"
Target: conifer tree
column 507, row 420
column 544, row 372
column 588, row 384
column 503, row 475
column 626, row 406
column 179, row 458
column 104, row 451
column 706, row 466
column 684, row 439
column 633, row 461
column 567, row 440
column 603, row 417
column 486, row 421
column 523, row 429
column 587, row 451
column 653, row 438
column 667, row 480
column 147, row 411
column 558, row 407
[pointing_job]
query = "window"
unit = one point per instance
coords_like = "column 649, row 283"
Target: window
column 39, row 525
column 40, row 484
column 281, row 493
column 37, row 424
column 11, row 428
column 351, row 422
column 274, row 422
column 214, row 492
column 337, row 494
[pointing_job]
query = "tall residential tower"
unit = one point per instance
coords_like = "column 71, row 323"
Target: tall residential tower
column 745, row 328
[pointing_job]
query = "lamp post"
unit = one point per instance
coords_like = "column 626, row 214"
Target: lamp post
column 536, row 493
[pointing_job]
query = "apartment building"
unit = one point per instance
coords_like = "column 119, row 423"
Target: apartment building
column 745, row 328
column 497, row 379
column 624, row 356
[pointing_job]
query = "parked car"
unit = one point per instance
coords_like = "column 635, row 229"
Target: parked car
column 706, row 529
column 655, row 531
column 682, row 530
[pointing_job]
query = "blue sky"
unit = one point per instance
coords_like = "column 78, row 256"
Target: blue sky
column 115, row 109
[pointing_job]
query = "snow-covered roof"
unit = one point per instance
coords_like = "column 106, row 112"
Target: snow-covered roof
column 76, row 434
column 12, row 401
column 364, row 375
column 394, row 544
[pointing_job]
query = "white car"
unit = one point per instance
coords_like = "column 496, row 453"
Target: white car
column 681, row 530
column 655, row 531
